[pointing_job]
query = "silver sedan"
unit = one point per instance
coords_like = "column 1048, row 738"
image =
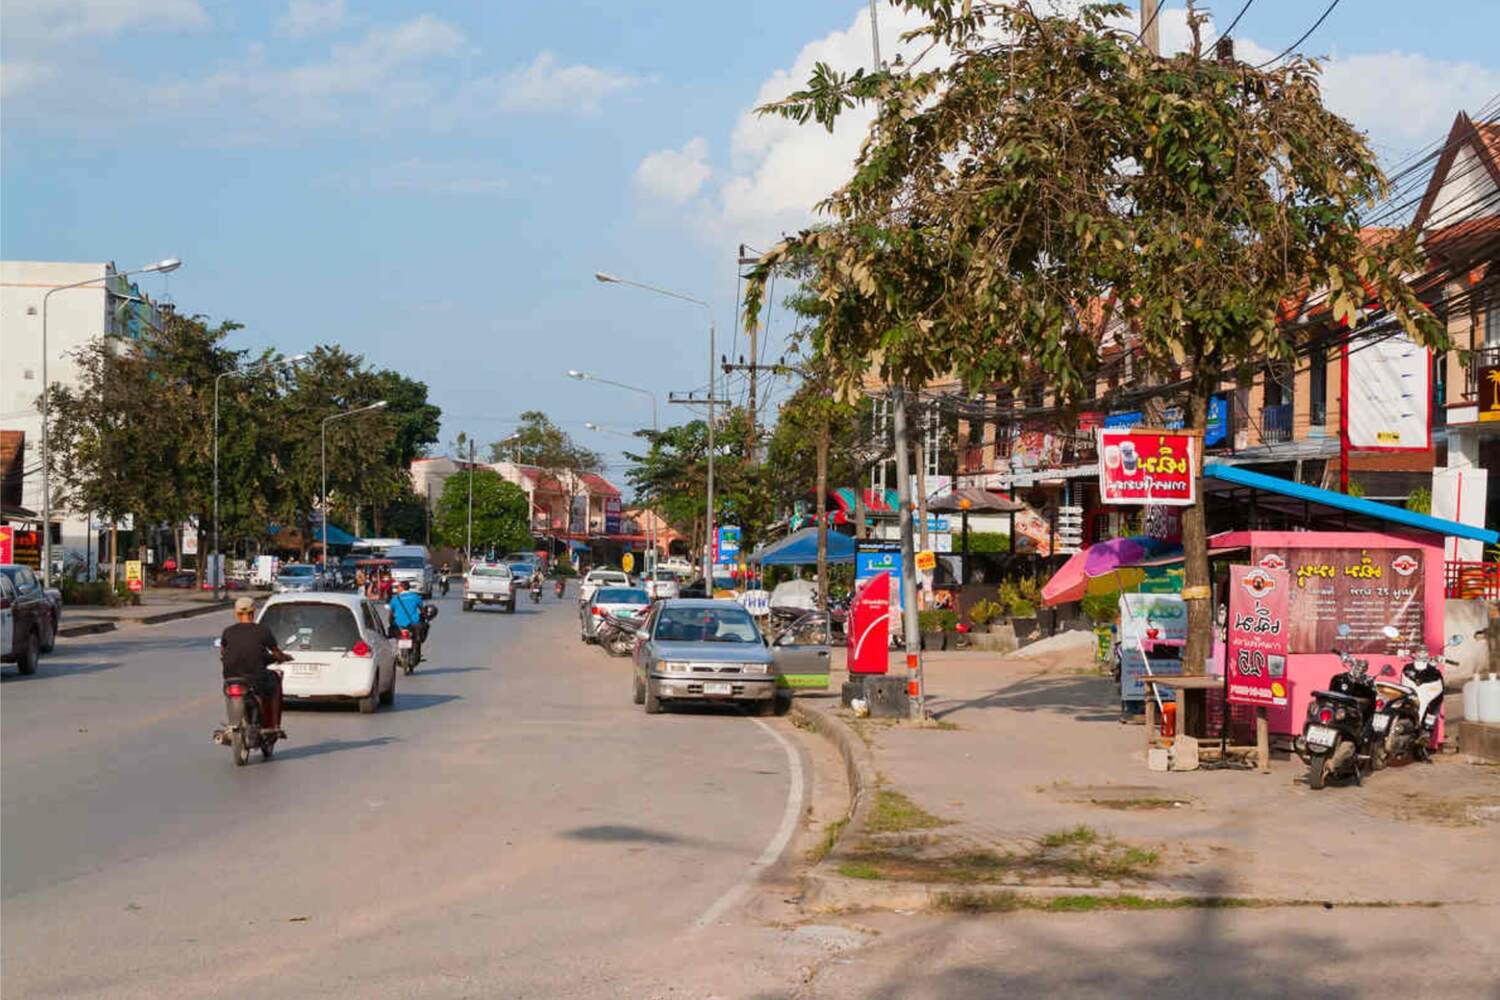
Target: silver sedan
column 703, row 650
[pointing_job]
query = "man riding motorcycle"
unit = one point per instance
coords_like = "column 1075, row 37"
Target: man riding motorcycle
column 246, row 649
column 406, row 613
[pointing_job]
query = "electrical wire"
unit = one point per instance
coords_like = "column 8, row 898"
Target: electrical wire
column 1152, row 20
column 1227, row 32
column 1305, row 36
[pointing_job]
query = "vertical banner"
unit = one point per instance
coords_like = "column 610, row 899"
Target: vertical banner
column 7, row 543
column 611, row 515
column 1259, row 635
column 869, row 626
column 1147, row 466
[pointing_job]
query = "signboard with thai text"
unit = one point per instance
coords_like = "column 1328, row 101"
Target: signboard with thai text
column 1258, row 634
column 1364, row 589
column 1147, row 466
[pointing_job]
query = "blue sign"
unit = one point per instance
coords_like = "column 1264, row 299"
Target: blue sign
column 1217, row 431
column 729, row 544
column 1133, row 418
column 874, row 558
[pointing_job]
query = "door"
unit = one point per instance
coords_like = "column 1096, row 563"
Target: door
column 383, row 644
column 7, row 616
column 803, row 653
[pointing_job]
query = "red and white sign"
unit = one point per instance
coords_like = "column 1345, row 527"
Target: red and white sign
column 1139, row 466
column 870, row 626
column 1259, row 635
column 6, row 543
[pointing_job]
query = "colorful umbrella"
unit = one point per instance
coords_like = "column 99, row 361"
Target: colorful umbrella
column 1102, row 568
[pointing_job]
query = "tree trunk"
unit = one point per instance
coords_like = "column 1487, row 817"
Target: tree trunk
column 823, row 513
column 1196, row 591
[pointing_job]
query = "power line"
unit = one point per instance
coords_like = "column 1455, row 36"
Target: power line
column 1305, row 36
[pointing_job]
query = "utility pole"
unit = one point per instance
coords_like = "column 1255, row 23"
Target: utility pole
column 693, row 399
column 1150, row 31
column 469, row 531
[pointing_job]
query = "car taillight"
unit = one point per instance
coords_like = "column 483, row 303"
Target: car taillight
column 360, row 648
column 1324, row 715
column 235, row 691
column 598, row 612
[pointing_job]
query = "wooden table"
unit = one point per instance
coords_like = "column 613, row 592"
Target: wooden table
column 1194, row 702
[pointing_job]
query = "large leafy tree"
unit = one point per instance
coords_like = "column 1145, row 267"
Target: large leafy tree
column 501, row 513
column 1050, row 163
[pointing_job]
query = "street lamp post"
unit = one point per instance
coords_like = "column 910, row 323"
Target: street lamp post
column 160, row 267
column 708, row 559
column 247, row 370
column 655, row 429
column 323, row 455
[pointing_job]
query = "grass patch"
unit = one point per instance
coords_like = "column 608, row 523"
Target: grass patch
column 1078, row 836
column 1079, row 856
column 895, row 813
column 1009, row 902
column 1143, row 804
column 830, row 837
column 860, row 869
column 980, row 902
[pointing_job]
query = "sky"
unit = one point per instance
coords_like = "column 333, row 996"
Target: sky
column 433, row 185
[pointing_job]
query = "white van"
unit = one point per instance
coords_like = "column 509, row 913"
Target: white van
column 411, row 563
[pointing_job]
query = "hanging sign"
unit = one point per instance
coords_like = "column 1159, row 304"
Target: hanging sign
column 1259, row 635
column 926, row 561
column 134, row 579
column 6, row 543
column 1148, row 466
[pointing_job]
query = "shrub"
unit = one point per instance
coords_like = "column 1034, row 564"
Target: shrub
column 937, row 620
column 1419, row 500
column 1020, row 596
column 985, row 611
column 1102, row 609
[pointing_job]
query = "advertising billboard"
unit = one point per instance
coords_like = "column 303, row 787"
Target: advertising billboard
column 1147, row 466
column 1387, row 382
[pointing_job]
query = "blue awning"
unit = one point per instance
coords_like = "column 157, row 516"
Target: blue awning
column 1239, row 476
column 337, row 537
column 577, row 546
column 800, row 548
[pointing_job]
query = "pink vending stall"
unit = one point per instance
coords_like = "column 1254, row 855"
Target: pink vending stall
column 1345, row 586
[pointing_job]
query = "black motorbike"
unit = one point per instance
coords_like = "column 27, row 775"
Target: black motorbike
column 536, row 590
column 616, row 634
column 443, row 584
column 409, row 641
column 1338, row 736
column 243, row 731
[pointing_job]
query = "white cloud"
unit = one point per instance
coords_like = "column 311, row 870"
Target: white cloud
column 63, row 19
column 547, row 85
column 305, row 18
column 674, row 175
column 20, row 75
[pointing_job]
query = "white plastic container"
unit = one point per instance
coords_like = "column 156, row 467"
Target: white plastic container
column 1489, row 699
column 1471, row 699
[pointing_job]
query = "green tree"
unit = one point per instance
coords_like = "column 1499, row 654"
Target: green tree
column 1053, row 163
column 501, row 513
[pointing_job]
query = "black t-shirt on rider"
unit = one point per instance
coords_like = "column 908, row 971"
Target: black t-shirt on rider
column 247, row 649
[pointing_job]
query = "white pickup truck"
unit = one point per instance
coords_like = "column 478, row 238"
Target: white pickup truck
column 490, row 583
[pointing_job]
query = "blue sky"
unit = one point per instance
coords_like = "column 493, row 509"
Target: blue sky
column 433, row 184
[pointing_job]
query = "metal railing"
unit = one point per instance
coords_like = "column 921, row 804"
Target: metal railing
column 1276, row 423
column 1471, row 580
column 1483, row 357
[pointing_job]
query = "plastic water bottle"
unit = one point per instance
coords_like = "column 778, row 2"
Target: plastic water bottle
column 1471, row 699
column 1489, row 699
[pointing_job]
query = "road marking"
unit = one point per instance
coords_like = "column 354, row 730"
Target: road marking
column 778, row 843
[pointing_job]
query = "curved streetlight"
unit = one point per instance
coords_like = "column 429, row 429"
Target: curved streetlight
column 323, row 435
column 611, row 279
column 296, row 359
column 165, row 266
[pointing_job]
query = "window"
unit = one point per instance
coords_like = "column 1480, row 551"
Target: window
column 500, row 572
column 1318, row 386
column 809, row 630
column 408, row 562
column 372, row 619
column 621, row 595
column 1492, row 321
column 312, row 626
column 706, row 625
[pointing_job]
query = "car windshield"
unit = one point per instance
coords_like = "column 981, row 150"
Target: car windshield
column 312, row 626
column 664, row 575
column 716, row 624
column 408, row 562
column 521, row 568
column 621, row 595
column 495, row 571
column 296, row 571
column 610, row 579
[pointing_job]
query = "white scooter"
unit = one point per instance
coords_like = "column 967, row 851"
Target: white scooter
column 1406, row 710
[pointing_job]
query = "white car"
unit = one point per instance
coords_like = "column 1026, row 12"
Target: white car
column 293, row 578
column 601, row 578
column 623, row 602
column 662, row 584
column 409, row 564
column 339, row 647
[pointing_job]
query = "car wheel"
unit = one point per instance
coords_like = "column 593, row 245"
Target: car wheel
column 48, row 641
column 640, row 691
column 510, row 608
column 388, row 696
column 26, row 656
column 783, row 703
column 368, row 702
column 468, row 605
column 651, row 701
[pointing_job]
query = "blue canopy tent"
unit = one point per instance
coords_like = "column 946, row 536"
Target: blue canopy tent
column 800, row 548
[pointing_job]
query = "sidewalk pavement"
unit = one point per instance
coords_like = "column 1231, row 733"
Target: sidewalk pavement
column 1023, row 749
column 156, row 606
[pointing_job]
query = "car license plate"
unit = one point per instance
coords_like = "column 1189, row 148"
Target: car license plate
column 718, row 687
column 1382, row 723
column 305, row 669
column 1321, row 736
column 403, row 644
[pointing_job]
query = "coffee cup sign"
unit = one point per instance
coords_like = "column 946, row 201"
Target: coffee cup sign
column 1141, row 465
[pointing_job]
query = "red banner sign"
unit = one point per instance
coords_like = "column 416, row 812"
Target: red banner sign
column 6, row 543
column 870, row 625
column 1145, row 466
column 1258, row 635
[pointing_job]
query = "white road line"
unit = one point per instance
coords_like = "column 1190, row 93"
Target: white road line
column 778, row 843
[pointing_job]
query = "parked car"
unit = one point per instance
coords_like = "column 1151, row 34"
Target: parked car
column 622, row 601
column 409, row 563
column 339, row 646
column 597, row 578
column 703, row 650
column 297, row 578
column 662, row 584
column 32, row 615
column 490, row 583
column 184, row 579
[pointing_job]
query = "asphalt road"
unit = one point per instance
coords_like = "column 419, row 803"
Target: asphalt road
column 514, row 827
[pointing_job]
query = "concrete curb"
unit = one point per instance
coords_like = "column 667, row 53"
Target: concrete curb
column 97, row 628
column 859, row 767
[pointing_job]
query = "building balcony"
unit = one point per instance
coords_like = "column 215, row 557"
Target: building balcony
column 1479, row 359
column 1276, row 423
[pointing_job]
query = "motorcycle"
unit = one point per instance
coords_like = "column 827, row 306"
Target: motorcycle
column 1406, row 712
column 536, row 590
column 243, row 732
column 616, row 634
column 560, row 587
column 443, row 584
column 1338, row 734
column 409, row 641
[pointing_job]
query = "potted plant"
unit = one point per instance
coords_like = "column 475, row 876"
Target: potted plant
column 982, row 613
column 930, row 624
column 949, row 621
column 1020, row 597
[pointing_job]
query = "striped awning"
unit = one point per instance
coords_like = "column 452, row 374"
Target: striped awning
column 876, row 501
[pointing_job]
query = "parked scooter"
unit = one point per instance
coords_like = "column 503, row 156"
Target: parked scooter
column 243, row 731
column 616, row 634
column 1338, row 734
column 1406, row 711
